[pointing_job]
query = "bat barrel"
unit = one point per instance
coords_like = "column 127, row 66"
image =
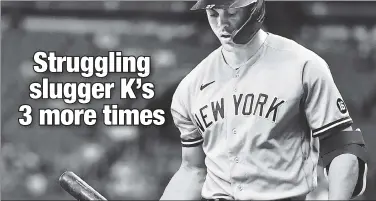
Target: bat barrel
column 78, row 188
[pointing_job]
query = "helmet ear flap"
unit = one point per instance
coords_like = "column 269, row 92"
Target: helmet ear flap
column 252, row 25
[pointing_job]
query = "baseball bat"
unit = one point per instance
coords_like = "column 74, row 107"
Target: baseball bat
column 78, row 188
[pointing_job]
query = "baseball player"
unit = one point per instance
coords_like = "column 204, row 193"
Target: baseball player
column 257, row 115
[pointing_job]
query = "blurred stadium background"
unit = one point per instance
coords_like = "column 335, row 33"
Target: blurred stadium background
column 137, row 162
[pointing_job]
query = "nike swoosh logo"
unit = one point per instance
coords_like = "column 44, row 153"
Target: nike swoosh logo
column 203, row 86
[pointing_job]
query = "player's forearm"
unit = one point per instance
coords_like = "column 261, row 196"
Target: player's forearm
column 186, row 184
column 343, row 176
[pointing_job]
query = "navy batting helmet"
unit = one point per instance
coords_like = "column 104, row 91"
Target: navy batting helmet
column 250, row 27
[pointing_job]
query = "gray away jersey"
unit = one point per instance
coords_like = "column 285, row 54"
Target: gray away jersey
column 258, row 125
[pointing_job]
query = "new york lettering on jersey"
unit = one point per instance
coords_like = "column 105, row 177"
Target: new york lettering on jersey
column 262, row 105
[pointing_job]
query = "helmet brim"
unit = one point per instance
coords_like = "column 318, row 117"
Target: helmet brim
column 206, row 4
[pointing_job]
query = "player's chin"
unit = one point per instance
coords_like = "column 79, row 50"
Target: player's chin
column 225, row 40
column 228, row 45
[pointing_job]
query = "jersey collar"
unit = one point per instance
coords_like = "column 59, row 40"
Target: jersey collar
column 253, row 48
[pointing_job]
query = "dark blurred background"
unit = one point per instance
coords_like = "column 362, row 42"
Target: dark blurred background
column 137, row 162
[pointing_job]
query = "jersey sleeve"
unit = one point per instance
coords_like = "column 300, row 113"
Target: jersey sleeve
column 324, row 106
column 189, row 134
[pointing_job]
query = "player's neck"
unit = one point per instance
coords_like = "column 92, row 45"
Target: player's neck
column 239, row 54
